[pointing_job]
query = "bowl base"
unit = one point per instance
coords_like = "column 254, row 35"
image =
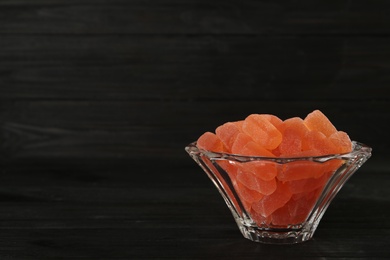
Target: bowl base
column 276, row 235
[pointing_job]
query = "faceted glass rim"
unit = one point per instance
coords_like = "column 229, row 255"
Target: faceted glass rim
column 357, row 148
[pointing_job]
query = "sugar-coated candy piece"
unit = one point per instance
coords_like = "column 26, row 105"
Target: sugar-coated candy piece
column 297, row 124
column 265, row 170
column 332, row 165
column 276, row 121
column 239, row 124
column 298, row 170
column 230, row 168
column 296, row 210
column 239, row 142
column 262, row 131
column 244, row 145
column 247, row 195
column 210, row 142
column 259, row 219
column 300, row 205
column 228, row 133
column 281, row 216
column 268, row 204
column 316, row 120
column 341, row 141
column 253, row 182
column 294, row 131
column 317, row 142
column 252, row 148
column 309, row 184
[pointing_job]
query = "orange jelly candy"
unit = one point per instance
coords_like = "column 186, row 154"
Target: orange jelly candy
column 341, row 142
column 278, row 192
column 210, row 142
column 317, row 142
column 268, row 204
column 316, row 120
column 264, row 170
column 294, row 131
column 262, row 131
column 253, row 182
column 227, row 133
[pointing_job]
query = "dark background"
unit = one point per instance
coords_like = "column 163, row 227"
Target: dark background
column 99, row 98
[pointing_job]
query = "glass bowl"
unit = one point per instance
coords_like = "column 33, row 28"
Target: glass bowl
column 279, row 200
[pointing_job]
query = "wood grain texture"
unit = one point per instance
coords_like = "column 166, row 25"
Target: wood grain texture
column 212, row 67
column 117, row 78
column 194, row 17
column 106, row 210
column 121, row 129
column 99, row 98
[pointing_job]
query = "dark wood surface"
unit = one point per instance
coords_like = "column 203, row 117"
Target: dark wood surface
column 99, row 98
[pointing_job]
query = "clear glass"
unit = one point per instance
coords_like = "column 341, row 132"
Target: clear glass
column 279, row 200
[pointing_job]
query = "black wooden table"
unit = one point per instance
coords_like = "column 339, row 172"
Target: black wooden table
column 113, row 209
column 99, row 98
